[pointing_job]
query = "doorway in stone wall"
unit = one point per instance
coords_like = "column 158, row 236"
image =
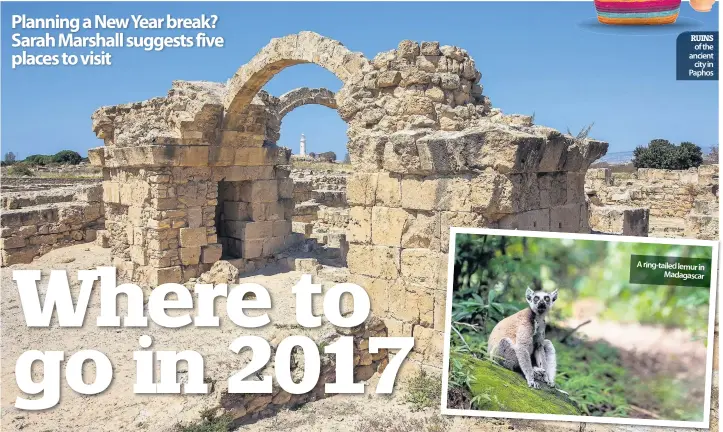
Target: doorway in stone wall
column 309, row 201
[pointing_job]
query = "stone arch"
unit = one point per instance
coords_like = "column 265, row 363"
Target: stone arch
column 279, row 107
column 305, row 96
column 280, row 53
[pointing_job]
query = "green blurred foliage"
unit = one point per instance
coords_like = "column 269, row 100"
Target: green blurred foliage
column 491, row 274
column 68, row 157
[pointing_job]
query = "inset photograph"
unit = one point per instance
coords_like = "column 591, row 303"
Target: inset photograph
column 593, row 328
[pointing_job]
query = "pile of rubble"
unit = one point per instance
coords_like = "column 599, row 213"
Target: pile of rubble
column 320, row 208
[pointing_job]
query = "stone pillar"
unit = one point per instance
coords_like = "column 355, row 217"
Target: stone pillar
column 431, row 154
column 182, row 193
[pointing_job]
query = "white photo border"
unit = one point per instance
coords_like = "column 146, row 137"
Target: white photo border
column 705, row 424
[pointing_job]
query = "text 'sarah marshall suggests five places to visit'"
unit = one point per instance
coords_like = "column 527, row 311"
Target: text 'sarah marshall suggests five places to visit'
column 304, row 223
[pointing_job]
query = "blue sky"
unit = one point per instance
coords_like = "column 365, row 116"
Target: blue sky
column 550, row 59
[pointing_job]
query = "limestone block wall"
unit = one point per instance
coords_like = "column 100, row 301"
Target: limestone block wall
column 34, row 223
column 619, row 220
column 681, row 203
column 400, row 220
column 431, row 153
column 325, row 187
column 185, row 193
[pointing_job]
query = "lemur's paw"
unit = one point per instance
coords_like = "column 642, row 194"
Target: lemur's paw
column 539, row 373
column 533, row 384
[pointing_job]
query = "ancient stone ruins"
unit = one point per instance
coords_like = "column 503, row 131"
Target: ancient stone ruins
column 680, row 203
column 196, row 176
column 40, row 216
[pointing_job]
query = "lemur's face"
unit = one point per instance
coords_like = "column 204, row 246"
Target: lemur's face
column 540, row 301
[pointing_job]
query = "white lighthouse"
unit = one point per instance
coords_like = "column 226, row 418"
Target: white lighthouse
column 302, row 146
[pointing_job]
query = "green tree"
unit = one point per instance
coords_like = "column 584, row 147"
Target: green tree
column 689, row 155
column 662, row 154
column 38, row 159
column 67, row 157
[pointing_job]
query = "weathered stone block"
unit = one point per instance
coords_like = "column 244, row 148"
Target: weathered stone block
column 273, row 245
column 192, row 156
column 458, row 219
column 195, row 217
column 286, row 188
column 428, row 345
column 419, row 193
column 260, row 191
column 192, row 237
column 377, row 261
column 281, row 228
column 422, row 265
column 565, row 218
column 534, row 220
column 211, row 253
column 389, row 79
column 367, row 151
column 377, row 291
column 111, row 192
column 410, row 303
column 19, row 256
column 190, row 255
column 400, row 152
column 254, row 156
column 440, row 310
column 361, row 188
column 421, row 230
column 12, row 242
column 159, row 276
column 454, row 194
column 359, row 229
column 138, row 255
column 553, row 189
column 304, row 228
column 223, row 155
column 257, row 230
column 96, row 156
column 619, row 220
column 235, row 210
column 90, row 234
column 388, row 225
column 525, row 193
column 252, row 248
column 388, row 193
column 103, row 239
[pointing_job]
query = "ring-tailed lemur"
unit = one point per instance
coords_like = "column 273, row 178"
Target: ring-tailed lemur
column 518, row 341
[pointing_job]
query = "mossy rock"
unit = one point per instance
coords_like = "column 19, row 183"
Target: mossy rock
column 506, row 390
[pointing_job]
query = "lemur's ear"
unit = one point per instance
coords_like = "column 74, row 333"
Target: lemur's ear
column 553, row 295
column 529, row 293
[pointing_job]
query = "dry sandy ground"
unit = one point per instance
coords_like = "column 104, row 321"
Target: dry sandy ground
column 118, row 409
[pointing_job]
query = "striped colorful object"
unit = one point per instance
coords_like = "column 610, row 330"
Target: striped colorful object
column 637, row 12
